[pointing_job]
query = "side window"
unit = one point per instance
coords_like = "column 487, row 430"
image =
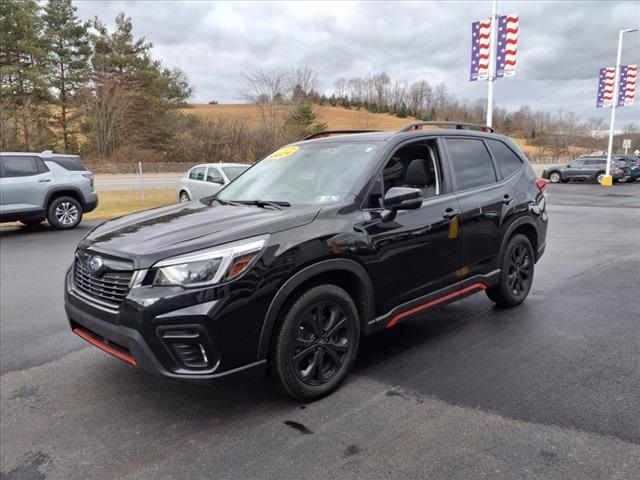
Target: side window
column 197, row 173
column 576, row 163
column 508, row 162
column 42, row 167
column 471, row 162
column 213, row 175
column 19, row 166
column 416, row 165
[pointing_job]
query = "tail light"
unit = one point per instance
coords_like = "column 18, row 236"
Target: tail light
column 542, row 185
column 90, row 176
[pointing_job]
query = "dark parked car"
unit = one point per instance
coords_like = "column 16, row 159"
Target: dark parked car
column 633, row 163
column 290, row 264
column 586, row 169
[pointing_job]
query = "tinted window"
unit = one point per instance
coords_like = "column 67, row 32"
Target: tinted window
column 19, row 166
column 508, row 162
column 233, row 172
column 68, row 163
column 197, row 173
column 213, row 175
column 471, row 162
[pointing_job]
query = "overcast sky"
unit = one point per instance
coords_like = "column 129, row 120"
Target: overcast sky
column 561, row 46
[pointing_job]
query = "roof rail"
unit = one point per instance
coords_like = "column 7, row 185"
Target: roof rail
column 328, row 133
column 456, row 125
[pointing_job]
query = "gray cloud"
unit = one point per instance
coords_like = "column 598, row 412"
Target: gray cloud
column 562, row 44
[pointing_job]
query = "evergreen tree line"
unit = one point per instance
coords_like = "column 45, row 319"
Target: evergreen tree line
column 76, row 86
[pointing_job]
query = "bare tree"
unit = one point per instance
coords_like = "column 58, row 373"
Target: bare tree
column 107, row 118
column 300, row 81
column 267, row 91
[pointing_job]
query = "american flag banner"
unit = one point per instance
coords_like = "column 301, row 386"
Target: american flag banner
column 507, row 47
column 480, row 35
column 605, row 87
column 627, row 86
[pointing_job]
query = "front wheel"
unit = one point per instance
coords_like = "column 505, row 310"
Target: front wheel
column 184, row 196
column 316, row 343
column 517, row 273
column 64, row 213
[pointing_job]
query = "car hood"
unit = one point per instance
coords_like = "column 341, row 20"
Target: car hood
column 152, row 235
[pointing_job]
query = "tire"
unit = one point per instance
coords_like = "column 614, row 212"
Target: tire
column 599, row 177
column 302, row 344
column 517, row 266
column 184, row 196
column 554, row 177
column 64, row 213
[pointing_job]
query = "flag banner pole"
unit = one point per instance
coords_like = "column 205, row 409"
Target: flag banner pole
column 492, row 63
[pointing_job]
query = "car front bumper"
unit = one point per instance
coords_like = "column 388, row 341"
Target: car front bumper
column 159, row 345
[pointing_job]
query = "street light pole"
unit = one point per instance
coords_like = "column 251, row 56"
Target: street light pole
column 492, row 62
column 607, row 181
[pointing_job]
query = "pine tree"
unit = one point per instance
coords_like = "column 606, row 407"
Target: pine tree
column 69, row 51
column 23, row 93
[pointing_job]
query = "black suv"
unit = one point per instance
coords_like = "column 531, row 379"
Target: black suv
column 319, row 243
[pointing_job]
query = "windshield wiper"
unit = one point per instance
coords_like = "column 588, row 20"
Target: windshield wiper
column 223, row 202
column 264, row 203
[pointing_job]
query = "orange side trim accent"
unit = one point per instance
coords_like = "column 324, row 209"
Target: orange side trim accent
column 400, row 316
column 93, row 341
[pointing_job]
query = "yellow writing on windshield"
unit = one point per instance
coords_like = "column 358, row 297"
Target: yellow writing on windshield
column 283, row 152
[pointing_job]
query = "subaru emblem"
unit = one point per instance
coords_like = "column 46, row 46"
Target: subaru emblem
column 94, row 263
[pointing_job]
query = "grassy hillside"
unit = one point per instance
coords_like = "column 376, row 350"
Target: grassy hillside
column 337, row 118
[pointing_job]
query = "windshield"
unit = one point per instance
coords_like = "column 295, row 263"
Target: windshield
column 233, row 172
column 311, row 174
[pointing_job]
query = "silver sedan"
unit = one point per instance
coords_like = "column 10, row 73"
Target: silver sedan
column 207, row 179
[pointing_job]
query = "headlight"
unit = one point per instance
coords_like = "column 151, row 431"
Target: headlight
column 210, row 266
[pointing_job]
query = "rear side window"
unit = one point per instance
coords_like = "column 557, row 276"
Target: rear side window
column 68, row 163
column 471, row 162
column 508, row 162
column 197, row 173
column 19, row 166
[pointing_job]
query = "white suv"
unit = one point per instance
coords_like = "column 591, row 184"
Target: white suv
column 206, row 179
column 39, row 186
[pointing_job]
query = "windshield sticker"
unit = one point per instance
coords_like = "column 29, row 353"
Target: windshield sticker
column 283, row 152
column 328, row 198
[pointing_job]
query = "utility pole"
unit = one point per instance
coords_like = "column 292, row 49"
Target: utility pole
column 492, row 62
column 607, row 181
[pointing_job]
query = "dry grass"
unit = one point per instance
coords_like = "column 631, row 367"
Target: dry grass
column 337, row 118
column 115, row 204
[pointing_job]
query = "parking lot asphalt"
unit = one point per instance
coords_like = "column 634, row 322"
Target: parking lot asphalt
column 550, row 389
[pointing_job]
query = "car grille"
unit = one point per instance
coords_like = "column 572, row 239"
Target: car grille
column 108, row 288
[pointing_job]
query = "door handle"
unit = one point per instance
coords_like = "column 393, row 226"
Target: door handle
column 44, row 180
column 451, row 213
column 507, row 199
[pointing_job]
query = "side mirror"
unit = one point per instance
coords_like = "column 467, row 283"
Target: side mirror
column 400, row 198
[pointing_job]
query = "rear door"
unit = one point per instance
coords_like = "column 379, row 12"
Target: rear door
column 24, row 183
column 196, row 182
column 484, row 201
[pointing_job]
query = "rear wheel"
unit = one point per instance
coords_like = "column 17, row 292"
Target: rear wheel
column 599, row 177
column 316, row 343
column 554, row 177
column 184, row 196
column 517, row 273
column 64, row 213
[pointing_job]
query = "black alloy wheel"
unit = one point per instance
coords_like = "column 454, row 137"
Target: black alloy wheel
column 517, row 273
column 316, row 343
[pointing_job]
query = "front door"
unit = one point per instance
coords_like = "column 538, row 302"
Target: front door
column 417, row 252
